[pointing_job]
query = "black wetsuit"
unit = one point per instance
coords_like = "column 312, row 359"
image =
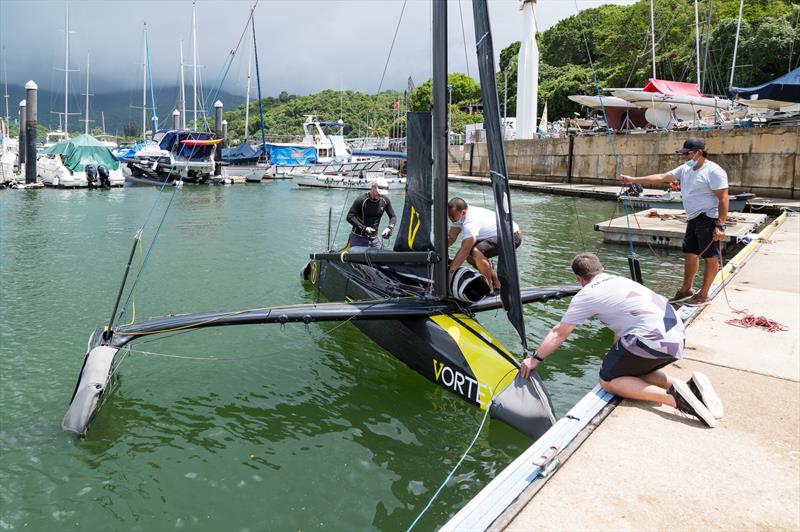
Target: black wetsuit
column 367, row 212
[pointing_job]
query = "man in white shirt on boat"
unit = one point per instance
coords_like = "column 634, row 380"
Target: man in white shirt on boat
column 479, row 242
column 648, row 336
column 704, row 190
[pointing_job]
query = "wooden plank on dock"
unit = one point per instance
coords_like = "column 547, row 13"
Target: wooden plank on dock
column 665, row 228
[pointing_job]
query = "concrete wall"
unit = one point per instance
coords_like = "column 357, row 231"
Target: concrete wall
column 765, row 161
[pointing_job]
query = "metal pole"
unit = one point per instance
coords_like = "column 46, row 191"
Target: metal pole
column 736, row 42
column 183, row 92
column 86, row 120
column 439, row 141
column 66, row 75
column 224, row 133
column 653, row 35
column 697, row 43
column 218, row 133
column 107, row 333
column 194, row 65
column 31, row 118
column 21, row 144
column 144, row 82
column 449, row 105
column 176, row 119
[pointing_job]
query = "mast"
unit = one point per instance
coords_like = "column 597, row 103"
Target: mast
column 144, row 82
column 66, row 75
column 103, row 121
column 653, row 35
column 194, row 65
column 258, row 82
column 5, row 81
column 86, row 119
column 697, row 44
column 507, row 258
column 439, row 145
column 247, row 98
column 708, row 38
column 183, row 90
column 736, row 42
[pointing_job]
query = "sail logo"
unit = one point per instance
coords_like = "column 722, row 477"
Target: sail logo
column 413, row 226
column 461, row 384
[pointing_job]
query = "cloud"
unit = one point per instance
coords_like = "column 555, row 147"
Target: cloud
column 303, row 45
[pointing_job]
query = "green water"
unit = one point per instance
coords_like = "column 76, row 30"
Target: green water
column 251, row 427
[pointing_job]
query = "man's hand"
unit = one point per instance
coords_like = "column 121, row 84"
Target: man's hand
column 369, row 231
column 626, row 179
column 387, row 232
column 528, row 365
column 719, row 234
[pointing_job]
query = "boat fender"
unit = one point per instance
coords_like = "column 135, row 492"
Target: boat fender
column 468, row 285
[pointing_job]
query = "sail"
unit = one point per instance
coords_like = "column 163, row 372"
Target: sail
column 414, row 232
column 507, row 258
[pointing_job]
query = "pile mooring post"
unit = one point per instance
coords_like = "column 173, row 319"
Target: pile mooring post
column 176, row 119
column 31, row 119
column 224, row 133
column 218, row 133
column 570, row 154
column 21, row 145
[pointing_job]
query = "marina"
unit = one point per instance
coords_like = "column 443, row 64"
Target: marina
column 329, row 307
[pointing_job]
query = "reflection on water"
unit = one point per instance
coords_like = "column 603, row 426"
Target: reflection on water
column 256, row 427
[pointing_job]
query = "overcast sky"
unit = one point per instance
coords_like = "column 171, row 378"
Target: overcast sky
column 304, row 45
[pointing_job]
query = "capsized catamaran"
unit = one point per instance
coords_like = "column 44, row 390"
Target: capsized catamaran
column 401, row 299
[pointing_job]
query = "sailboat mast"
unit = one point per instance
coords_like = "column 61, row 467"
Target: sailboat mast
column 183, row 90
column 66, row 74
column 5, row 81
column 86, row 119
column 144, row 82
column 247, row 97
column 697, row 44
column 653, row 35
column 439, row 145
column 258, row 82
column 736, row 42
column 194, row 64
column 103, row 121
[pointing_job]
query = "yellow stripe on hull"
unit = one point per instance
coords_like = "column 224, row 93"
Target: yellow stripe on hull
column 491, row 370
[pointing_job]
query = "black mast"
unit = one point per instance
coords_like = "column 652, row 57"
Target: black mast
column 440, row 136
column 507, row 259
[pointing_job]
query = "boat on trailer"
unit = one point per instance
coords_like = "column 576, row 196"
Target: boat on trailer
column 400, row 298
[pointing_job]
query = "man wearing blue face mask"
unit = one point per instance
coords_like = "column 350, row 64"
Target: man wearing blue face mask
column 704, row 189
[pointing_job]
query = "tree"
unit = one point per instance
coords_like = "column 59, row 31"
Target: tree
column 465, row 91
column 131, row 130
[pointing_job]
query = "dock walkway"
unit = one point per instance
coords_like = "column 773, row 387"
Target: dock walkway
column 649, row 468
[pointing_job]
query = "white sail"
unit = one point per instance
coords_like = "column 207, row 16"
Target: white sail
column 527, row 73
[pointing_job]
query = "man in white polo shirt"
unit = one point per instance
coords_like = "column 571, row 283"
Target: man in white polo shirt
column 479, row 242
column 704, row 188
column 648, row 336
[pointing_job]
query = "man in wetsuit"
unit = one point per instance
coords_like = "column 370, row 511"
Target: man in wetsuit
column 365, row 217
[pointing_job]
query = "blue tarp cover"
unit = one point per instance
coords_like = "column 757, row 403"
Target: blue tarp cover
column 132, row 151
column 242, row 153
column 784, row 89
column 291, row 155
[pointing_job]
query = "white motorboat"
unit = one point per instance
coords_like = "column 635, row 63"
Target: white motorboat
column 65, row 164
column 174, row 154
column 354, row 182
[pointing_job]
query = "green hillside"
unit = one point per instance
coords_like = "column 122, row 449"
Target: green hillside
column 618, row 42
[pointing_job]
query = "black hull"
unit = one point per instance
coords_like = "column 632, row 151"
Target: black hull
column 451, row 350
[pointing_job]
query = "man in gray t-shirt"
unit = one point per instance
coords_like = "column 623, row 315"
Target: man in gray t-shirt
column 704, row 188
column 648, row 336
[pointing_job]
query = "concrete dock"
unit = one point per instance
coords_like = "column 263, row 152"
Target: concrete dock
column 772, row 206
column 650, row 468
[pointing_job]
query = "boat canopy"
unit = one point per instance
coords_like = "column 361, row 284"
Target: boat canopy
column 783, row 89
column 172, row 137
column 243, row 153
column 291, row 155
column 82, row 150
column 673, row 88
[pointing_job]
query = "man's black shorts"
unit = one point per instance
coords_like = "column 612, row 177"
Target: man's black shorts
column 621, row 363
column 699, row 237
column 488, row 246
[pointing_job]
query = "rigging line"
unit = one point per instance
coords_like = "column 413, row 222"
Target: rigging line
column 466, row 452
column 388, row 57
column 464, row 38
